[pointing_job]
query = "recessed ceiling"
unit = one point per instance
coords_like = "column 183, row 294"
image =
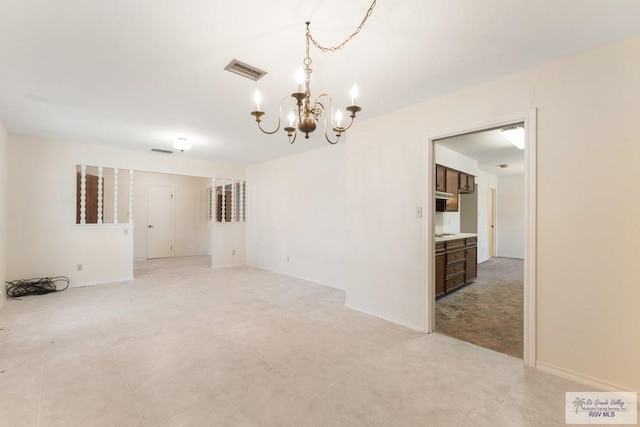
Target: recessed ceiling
column 491, row 149
column 139, row 74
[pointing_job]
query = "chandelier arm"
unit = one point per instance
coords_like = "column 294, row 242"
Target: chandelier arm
column 295, row 135
column 284, row 98
column 317, row 102
column 344, row 129
column 326, row 135
column 348, row 39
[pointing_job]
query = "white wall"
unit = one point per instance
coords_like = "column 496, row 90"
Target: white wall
column 191, row 223
column 510, row 216
column 484, row 182
column 43, row 237
column 4, row 200
column 586, row 276
column 296, row 209
column 228, row 244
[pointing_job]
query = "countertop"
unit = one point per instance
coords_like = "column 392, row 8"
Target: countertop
column 448, row 237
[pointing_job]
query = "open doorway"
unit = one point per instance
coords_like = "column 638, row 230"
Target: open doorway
column 171, row 216
column 479, row 228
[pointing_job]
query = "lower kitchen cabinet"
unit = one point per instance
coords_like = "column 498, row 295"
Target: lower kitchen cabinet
column 471, row 267
column 439, row 274
column 456, row 264
column 440, row 265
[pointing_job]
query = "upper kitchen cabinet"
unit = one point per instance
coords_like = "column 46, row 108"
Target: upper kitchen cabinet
column 467, row 183
column 441, row 184
column 452, row 175
column 454, row 182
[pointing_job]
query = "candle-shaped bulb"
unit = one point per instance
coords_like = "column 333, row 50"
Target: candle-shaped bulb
column 292, row 118
column 300, row 77
column 354, row 94
column 338, row 117
column 258, row 99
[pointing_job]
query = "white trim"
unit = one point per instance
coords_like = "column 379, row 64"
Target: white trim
column 581, row 378
column 530, row 122
column 388, row 319
column 430, row 238
column 110, row 282
column 290, row 275
column 100, row 226
column 530, row 239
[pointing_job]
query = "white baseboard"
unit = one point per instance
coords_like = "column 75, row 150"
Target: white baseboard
column 81, row 285
column 219, row 267
column 296, row 277
column 581, row 378
column 387, row 318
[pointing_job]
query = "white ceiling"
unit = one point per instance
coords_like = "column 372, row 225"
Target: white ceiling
column 139, row 73
column 490, row 149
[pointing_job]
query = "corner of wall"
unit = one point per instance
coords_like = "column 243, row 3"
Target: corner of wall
column 4, row 178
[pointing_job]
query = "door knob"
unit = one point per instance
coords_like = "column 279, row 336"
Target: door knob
column 150, row 226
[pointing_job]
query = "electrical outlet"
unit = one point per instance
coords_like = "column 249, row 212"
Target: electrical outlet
column 80, row 267
column 233, row 252
column 287, row 258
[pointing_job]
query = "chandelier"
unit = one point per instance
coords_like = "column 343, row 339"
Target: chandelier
column 307, row 113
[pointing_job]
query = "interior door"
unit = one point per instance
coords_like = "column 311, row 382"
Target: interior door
column 159, row 222
column 491, row 224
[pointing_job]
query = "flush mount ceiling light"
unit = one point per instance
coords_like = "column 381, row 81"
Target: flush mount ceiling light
column 182, row 144
column 515, row 135
column 306, row 114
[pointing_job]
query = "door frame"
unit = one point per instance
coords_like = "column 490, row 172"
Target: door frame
column 529, row 118
column 173, row 219
column 492, row 221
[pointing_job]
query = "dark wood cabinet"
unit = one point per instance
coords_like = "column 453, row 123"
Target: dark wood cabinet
column 440, row 274
column 440, row 267
column 441, row 184
column 455, row 182
column 456, row 264
column 467, row 183
column 452, row 177
column 471, row 263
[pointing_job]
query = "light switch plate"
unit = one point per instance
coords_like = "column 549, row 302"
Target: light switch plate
column 418, row 212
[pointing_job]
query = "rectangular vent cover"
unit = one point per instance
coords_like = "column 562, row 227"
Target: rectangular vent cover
column 159, row 150
column 245, row 70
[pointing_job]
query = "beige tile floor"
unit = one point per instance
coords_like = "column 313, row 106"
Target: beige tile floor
column 184, row 345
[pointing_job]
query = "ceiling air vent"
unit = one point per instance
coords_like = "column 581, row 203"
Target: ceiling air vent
column 245, row 70
column 160, row 150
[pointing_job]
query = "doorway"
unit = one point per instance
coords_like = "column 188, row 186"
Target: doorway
column 491, row 216
column 527, row 193
column 159, row 221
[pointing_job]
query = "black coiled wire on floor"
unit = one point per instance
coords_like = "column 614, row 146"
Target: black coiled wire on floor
column 45, row 285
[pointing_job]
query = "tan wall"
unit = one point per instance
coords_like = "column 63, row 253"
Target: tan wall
column 588, row 222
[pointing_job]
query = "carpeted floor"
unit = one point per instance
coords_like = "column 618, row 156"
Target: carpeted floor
column 489, row 311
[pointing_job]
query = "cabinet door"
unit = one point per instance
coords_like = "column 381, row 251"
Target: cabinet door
column 467, row 183
column 471, row 183
column 452, row 187
column 441, row 178
column 439, row 274
column 471, row 263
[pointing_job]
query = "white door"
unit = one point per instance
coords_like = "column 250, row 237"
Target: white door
column 492, row 222
column 159, row 222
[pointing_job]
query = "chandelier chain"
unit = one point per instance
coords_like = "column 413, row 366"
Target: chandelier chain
column 347, row 40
